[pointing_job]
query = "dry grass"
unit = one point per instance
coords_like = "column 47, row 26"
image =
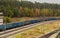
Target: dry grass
column 21, row 19
column 39, row 30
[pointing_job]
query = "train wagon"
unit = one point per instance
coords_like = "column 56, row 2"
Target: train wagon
column 19, row 24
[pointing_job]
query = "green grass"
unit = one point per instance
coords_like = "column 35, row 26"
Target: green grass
column 38, row 30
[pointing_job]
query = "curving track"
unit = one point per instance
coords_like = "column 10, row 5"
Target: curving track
column 10, row 32
column 58, row 36
column 7, row 33
column 49, row 34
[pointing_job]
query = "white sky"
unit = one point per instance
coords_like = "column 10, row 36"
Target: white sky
column 47, row 1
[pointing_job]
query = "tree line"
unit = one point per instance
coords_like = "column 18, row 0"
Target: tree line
column 15, row 8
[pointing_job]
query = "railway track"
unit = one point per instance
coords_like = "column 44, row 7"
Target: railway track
column 54, row 35
column 58, row 36
column 7, row 33
column 50, row 34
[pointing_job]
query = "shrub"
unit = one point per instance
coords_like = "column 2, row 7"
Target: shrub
column 7, row 19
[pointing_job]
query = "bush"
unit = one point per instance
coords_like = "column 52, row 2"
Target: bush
column 7, row 19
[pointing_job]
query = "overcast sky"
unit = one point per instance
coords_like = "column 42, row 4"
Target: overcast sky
column 47, row 1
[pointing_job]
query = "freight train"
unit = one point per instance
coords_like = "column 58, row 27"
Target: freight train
column 19, row 24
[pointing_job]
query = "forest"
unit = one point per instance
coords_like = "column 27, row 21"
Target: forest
column 16, row 8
